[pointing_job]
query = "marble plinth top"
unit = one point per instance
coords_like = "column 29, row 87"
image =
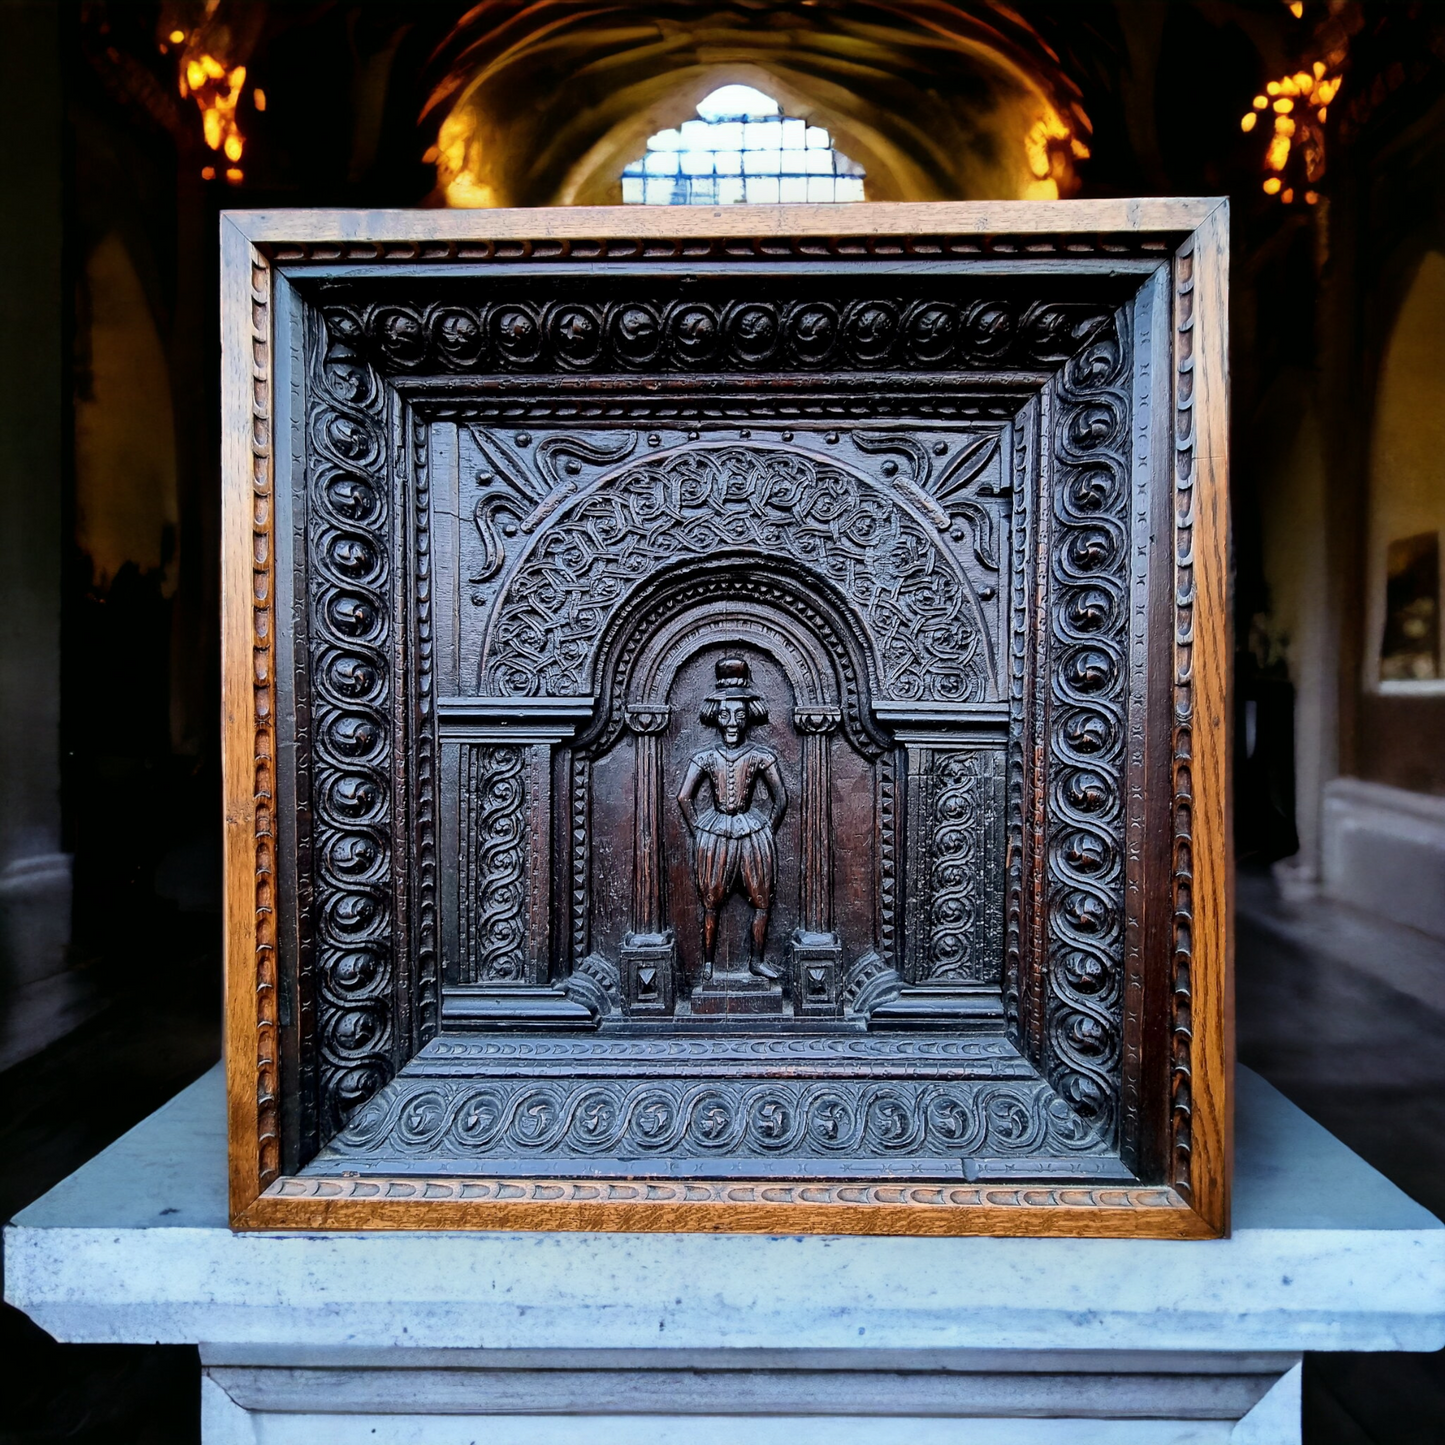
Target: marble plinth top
column 1325, row 1254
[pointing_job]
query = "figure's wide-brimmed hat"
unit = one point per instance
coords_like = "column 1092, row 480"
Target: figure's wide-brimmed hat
column 734, row 681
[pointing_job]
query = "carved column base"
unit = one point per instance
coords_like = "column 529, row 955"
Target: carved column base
column 649, row 961
column 815, row 961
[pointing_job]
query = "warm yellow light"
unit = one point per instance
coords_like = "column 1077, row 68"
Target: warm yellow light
column 1271, row 186
column 465, row 193
column 1260, row 102
column 176, row 37
column 195, row 74
column 1322, row 114
column 1304, row 82
column 1319, row 69
column 233, row 147
column 208, row 173
column 1288, row 196
column 213, row 67
column 1312, row 198
column 258, row 98
column 1273, row 87
column 1283, row 107
column 1042, row 190
column 1297, row 8
column 1283, row 125
column 234, row 174
column 1246, row 124
column 1278, row 152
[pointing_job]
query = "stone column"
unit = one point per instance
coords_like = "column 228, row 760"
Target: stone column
column 649, row 950
column 814, row 950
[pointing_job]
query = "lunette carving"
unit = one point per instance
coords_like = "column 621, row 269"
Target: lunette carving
column 928, row 636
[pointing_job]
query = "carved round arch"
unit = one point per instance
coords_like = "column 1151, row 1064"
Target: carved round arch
column 773, row 506
column 693, row 608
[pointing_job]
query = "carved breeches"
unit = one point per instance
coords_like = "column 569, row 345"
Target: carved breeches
column 723, row 862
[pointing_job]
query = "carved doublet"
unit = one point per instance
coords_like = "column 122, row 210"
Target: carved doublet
column 733, row 775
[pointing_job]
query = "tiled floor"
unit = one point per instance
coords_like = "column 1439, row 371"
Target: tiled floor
column 1344, row 1014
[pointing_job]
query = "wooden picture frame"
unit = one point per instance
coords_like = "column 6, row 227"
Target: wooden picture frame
column 1142, row 1040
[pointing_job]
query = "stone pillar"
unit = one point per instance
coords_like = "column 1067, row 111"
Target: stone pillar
column 649, row 952
column 41, row 998
column 814, row 950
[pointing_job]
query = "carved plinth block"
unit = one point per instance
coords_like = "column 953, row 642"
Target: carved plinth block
column 815, row 963
column 648, row 963
column 736, row 993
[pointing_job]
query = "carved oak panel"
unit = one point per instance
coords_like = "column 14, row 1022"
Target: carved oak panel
column 729, row 721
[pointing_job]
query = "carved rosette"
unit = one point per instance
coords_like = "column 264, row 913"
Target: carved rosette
column 350, row 581
column 647, row 335
column 632, row 1118
column 1088, row 622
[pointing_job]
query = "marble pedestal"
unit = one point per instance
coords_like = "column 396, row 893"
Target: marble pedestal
column 459, row 1339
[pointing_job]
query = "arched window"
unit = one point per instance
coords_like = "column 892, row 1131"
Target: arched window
column 741, row 148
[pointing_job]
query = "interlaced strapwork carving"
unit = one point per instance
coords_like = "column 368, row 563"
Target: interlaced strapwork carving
column 958, row 937
column 1088, row 657
column 494, row 865
column 714, row 500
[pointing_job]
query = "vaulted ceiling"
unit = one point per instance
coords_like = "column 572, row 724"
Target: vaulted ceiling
column 544, row 102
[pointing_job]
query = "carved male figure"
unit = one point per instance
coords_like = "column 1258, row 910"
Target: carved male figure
column 733, row 844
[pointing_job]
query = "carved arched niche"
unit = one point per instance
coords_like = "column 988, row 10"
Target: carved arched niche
column 844, row 881
column 804, row 664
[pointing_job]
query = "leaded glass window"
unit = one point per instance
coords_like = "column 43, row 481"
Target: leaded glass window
column 741, row 148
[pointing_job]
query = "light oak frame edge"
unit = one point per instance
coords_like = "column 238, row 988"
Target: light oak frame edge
column 1203, row 904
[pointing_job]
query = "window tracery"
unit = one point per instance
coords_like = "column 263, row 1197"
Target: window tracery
column 741, row 148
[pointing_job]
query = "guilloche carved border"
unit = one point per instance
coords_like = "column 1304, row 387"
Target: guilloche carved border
column 1200, row 953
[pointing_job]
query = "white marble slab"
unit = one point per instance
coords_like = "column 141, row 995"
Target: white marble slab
column 1326, row 1254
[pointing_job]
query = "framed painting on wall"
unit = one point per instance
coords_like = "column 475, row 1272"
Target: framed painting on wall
column 725, row 718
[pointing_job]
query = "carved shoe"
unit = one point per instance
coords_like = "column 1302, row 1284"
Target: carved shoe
column 761, row 968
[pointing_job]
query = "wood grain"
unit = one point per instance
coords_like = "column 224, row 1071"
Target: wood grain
column 1212, row 992
column 1165, row 215
column 1196, row 233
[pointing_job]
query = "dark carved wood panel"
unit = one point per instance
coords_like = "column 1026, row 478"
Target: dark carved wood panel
column 722, row 712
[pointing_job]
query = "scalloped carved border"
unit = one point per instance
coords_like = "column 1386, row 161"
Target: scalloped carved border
column 261, row 1199
column 1182, row 742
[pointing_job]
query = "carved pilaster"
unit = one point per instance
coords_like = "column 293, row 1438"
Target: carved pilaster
column 815, row 950
column 649, row 951
column 817, row 725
